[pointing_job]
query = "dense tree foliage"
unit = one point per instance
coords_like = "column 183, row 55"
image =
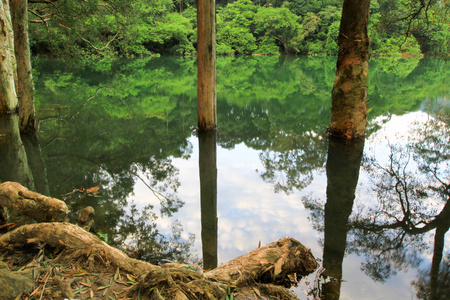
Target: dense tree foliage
column 135, row 27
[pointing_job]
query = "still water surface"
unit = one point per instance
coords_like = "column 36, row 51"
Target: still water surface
column 374, row 212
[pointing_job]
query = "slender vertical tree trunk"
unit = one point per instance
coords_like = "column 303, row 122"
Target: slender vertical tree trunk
column 349, row 111
column 206, row 54
column 24, row 88
column 8, row 95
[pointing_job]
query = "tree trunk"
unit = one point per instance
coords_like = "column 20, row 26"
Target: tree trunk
column 8, row 95
column 206, row 54
column 349, row 111
column 24, row 88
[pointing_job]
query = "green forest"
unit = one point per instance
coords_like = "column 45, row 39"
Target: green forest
column 134, row 28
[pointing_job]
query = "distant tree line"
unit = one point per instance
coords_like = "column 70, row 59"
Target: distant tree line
column 111, row 28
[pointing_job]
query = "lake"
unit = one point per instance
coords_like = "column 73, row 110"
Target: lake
column 121, row 137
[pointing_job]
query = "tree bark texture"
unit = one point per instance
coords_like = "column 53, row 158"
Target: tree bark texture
column 32, row 206
column 349, row 110
column 206, row 54
column 24, row 88
column 8, row 77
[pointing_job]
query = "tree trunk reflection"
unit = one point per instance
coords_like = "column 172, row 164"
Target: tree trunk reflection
column 13, row 157
column 36, row 163
column 208, row 194
column 343, row 163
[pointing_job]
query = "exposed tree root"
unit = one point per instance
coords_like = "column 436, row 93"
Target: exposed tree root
column 24, row 204
column 270, row 264
column 257, row 273
column 67, row 260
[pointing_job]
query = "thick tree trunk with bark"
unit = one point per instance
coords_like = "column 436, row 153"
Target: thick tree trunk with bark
column 349, row 110
column 24, row 88
column 8, row 95
column 206, row 54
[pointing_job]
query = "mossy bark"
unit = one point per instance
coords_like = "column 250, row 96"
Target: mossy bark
column 349, row 96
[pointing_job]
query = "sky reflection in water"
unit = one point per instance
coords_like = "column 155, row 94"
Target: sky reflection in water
column 249, row 210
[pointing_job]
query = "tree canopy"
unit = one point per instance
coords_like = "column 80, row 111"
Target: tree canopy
column 136, row 27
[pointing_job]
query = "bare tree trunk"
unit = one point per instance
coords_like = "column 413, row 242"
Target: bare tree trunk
column 206, row 53
column 349, row 111
column 24, row 88
column 270, row 264
column 8, row 95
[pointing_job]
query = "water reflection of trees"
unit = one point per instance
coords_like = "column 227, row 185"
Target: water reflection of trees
column 290, row 162
column 94, row 137
column 412, row 192
column 395, row 231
